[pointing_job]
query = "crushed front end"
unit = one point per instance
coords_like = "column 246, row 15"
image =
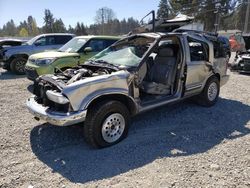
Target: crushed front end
column 54, row 101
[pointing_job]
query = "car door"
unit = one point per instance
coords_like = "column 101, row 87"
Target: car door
column 199, row 63
column 39, row 45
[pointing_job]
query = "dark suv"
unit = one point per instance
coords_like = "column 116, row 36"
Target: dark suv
column 15, row 58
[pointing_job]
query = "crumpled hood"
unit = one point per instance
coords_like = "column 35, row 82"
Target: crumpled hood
column 53, row 55
column 88, row 88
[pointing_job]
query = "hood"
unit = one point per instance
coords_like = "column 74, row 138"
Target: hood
column 10, row 43
column 53, row 55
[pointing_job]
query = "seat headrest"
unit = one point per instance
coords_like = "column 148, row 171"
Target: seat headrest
column 166, row 52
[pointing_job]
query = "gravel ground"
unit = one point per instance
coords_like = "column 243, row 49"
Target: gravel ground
column 183, row 145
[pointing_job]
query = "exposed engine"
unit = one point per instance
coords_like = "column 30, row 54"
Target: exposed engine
column 63, row 78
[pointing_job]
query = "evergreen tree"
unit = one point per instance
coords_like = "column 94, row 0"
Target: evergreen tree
column 80, row 29
column 164, row 10
column 58, row 26
column 70, row 29
column 48, row 21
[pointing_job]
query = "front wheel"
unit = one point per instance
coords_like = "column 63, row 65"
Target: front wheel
column 106, row 124
column 210, row 93
column 17, row 65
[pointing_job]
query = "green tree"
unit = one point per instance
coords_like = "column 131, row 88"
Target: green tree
column 70, row 29
column 48, row 21
column 23, row 32
column 10, row 29
column 34, row 28
column 58, row 26
column 80, row 29
column 164, row 10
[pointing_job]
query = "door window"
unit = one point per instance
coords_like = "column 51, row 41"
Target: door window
column 40, row 42
column 96, row 45
column 50, row 40
column 198, row 50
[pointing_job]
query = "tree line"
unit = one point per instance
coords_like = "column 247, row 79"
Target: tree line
column 106, row 23
column 229, row 14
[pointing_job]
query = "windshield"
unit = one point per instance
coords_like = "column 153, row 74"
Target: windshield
column 73, row 45
column 127, row 52
column 31, row 41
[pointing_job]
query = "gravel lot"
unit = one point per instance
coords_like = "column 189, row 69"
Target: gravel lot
column 183, row 145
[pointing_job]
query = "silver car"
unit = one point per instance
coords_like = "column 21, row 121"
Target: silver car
column 15, row 58
column 136, row 74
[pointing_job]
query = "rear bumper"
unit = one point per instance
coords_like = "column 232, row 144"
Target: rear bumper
column 224, row 79
column 52, row 117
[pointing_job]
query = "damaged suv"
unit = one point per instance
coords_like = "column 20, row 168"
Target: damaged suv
column 136, row 74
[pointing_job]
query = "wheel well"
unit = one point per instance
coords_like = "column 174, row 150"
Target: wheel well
column 217, row 75
column 19, row 55
column 129, row 103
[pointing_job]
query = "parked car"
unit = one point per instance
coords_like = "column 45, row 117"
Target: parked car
column 241, row 62
column 246, row 38
column 15, row 58
column 136, row 74
column 237, row 43
column 7, row 43
column 73, row 53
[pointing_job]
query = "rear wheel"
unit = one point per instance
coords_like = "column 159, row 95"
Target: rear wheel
column 106, row 124
column 17, row 65
column 210, row 93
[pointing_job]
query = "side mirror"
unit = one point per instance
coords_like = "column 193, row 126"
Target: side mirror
column 87, row 49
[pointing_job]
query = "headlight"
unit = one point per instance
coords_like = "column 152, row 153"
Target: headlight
column 56, row 97
column 46, row 61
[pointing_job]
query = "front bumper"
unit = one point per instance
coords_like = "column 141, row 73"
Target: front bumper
column 4, row 64
column 52, row 117
column 31, row 73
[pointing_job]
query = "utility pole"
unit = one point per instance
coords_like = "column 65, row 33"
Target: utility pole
column 102, row 21
column 216, row 24
column 246, row 17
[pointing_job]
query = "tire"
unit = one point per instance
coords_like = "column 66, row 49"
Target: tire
column 209, row 96
column 17, row 65
column 106, row 124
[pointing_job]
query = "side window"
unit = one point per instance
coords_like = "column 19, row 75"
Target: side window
column 198, row 50
column 96, row 45
column 219, row 49
column 109, row 43
column 50, row 40
column 62, row 39
column 40, row 42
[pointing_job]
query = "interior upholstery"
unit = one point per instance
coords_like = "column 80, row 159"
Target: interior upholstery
column 161, row 75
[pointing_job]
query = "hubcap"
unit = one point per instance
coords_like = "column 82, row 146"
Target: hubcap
column 113, row 127
column 212, row 91
column 20, row 66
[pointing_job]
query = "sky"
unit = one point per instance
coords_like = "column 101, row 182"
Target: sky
column 72, row 11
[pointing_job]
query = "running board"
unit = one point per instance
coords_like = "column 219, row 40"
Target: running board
column 158, row 102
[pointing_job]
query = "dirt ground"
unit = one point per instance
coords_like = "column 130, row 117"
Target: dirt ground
column 183, row 145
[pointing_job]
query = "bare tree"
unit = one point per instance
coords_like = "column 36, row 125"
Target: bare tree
column 104, row 15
